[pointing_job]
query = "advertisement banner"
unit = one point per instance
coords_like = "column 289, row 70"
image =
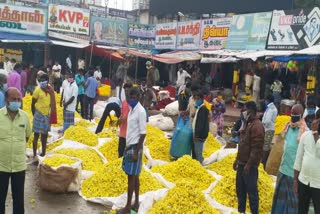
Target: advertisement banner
column 294, row 29
column 23, row 20
column 109, row 31
column 214, row 33
column 141, row 36
column 68, row 19
column 166, row 36
column 259, row 30
column 188, row 37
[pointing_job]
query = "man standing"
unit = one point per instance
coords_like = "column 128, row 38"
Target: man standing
column 97, row 73
column 69, row 102
column 248, row 159
column 310, row 111
column 153, row 75
column 181, row 76
column 200, row 127
column 256, row 89
column 7, row 66
column 16, row 126
column 42, row 103
column 132, row 158
column 81, row 83
column 68, row 62
column 123, row 120
column 268, row 120
column 91, row 87
column 307, row 171
column 14, row 78
column 284, row 199
column 56, row 73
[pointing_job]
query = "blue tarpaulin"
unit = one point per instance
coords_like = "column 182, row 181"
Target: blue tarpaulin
column 16, row 38
column 288, row 58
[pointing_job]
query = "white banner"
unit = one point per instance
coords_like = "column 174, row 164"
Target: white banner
column 166, row 36
column 188, row 37
column 68, row 19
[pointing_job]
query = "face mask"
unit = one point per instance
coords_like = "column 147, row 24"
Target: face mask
column 43, row 84
column 5, row 86
column 311, row 111
column 132, row 103
column 295, row 118
column 14, row 106
column 198, row 103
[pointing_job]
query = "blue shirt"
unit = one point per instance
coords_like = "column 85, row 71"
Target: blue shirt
column 2, row 100
column 289, row 152
column 91, row 87
column 79, row 80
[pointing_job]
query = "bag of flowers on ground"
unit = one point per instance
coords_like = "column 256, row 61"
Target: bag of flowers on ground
column 59, row 173
column 108, row 186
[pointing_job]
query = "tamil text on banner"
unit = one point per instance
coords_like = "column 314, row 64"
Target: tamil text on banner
column 214, row 33
column 68, row 19
column 294, row 29
column 166, row 36
column 23, row 20
column 188, row 37
column 141, row 36
column 108, row 31
column 258, row 34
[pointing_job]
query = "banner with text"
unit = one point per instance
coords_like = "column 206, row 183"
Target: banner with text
column 109, row 31
column 294, row 29
column 214, row 33
column 188, row 37
column 141, row 36
column 166, row 36
column 23, row 20
column 68, row 19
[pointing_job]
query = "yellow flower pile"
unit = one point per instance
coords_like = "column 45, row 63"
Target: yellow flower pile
column 211, row 145
column 84, row 123
column 27, row 100
column 58, row 160
column 107, row 133
column 223, row 167
column 281, row 121
column 225, row 191
column 185, row 197
column 246, row 98
column 107, row 122
column 91, row 161
column 30, row 142
column 153, row 132
column 158, row 144
column 54, row 145
column 81, row 135
column 110, row 149
column 111, row 181
column 186, row 168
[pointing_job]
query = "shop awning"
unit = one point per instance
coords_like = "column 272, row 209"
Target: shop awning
column 314, row 50
column 69, row 44
column 20, row 38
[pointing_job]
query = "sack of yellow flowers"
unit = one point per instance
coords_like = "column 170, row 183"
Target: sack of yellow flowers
column 59, row 173
column 104, row 90
column 275, row 157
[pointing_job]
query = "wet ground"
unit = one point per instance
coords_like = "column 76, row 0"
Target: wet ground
column 50, row 203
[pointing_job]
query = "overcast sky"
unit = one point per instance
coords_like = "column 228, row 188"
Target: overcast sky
column 120, row 4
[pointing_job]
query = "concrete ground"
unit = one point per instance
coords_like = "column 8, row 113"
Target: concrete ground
column 51, row 203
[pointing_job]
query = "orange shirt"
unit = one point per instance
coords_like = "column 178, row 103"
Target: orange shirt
column 125, row 108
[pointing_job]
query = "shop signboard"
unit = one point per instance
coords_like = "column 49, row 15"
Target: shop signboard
column 68, row 19
column 108, row 31
column 166, row 36
column 214, row 33
column 98, row 11
column 141, row 36
column 188, row 37
column 294, row 29
column 23, row 20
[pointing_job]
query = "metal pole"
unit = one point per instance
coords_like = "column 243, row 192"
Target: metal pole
column 91, row 53
column 136, row 73
column 110, row 67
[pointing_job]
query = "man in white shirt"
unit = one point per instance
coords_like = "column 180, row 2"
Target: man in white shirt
column 97, row 74
column 268, row 120
column 181, row 76
column 81, row 64
column 7, row 66
column 69, row 102
column 68, row 62
column 132, row 157
column 56, row 73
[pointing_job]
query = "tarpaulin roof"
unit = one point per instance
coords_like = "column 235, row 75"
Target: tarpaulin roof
column 103, row 53
column 314, row 50
column 69, row 44
column 20, row 38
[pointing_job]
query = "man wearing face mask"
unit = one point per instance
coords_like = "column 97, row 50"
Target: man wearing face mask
column 310, row 111
column 248, row 159
column 3, row 88
column 15, row 130
column 284, row 199
column 268, row 120
column 43, row 103
column 69, row 102
column 132, row 157
column 200, row 127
